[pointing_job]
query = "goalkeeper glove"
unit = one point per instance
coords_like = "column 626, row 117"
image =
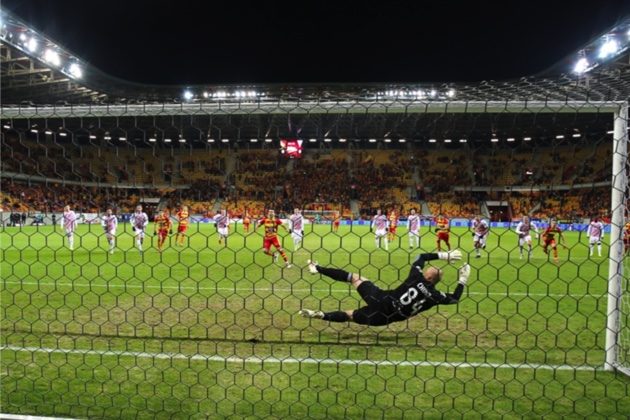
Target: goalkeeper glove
column 449, row 256
column 464, row 273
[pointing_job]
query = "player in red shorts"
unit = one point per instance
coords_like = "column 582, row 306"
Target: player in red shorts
column 626, row 238
column 271, row 223
column 163, row 226
column 336, row 222
column 182, row 225
column 443, row 230
column 549, row 238
column 393, row 223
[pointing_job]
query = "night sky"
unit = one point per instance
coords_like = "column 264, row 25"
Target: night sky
column 193, row 42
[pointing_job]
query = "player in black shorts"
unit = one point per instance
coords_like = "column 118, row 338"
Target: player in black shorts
column 416, row 294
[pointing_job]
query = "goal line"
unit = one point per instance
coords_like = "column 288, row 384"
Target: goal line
column 299, row 361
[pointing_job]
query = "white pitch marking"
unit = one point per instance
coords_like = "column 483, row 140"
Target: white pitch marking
column 294, row 360
column 6, row 416
column 268, row 289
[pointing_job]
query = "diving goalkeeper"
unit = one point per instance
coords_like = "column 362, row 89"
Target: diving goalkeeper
column 416, row 294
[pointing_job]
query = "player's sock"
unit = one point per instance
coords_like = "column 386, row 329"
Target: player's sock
column 386, row 245
column 139, row 243
column 336, row 316
column 335, row 274
column 377, row 242
column 284, row 256
column 599, row 250
column 590, row 250
column 71, row 243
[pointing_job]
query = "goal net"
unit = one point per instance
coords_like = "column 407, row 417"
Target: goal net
column 191, row 320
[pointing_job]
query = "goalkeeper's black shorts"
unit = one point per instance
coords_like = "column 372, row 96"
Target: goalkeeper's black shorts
column 380, row 309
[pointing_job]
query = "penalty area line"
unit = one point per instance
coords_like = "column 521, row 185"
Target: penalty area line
column 300, row 361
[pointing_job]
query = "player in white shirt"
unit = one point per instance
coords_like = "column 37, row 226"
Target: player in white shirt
column 296, row 223
column 69, row 223
column 222, row 222
column 413, row 225
column 595, row 233
column 481, row 229
column 139, row 221
column 523, row 229
column 110, row 222
column 380, row 223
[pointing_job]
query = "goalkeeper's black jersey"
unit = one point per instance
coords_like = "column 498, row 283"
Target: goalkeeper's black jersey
column 416, row 294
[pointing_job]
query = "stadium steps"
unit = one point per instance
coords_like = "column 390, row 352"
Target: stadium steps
column 484, row 209
column 355, row 208
column 218, row 203
column 424, row 206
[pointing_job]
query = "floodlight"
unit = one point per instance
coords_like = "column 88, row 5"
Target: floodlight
column 122, row 138
column 22, row 37
column 6, row 126
column 225, row 140
column 152, row 139
column 432, row 140
column 107, row 137
column 463, row 140
column 210, row 140
column 387, row 140
column 92, row 136
column 527, row 138
column 254, row 140
column 312, row 140
column 75, row 70
column 510, row 139
column 34, row 131
column 327, row 140
column 450, row 93
column 188, row 95
column 167, row 140
column 401, row 140
column 610, row 47
column 494, row 140
column 48, row 132
column 581, row 66
column 447, row 140
column 372, row 140
column 268, row 140
column 32, row 44
column 182, row 140
column 63, row 134
column 52, row 57
column 342, row 140
column 560, row 136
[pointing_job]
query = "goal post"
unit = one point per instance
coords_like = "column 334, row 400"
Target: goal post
column 617, row 348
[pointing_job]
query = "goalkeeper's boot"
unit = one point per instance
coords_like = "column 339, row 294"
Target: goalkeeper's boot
column 307, row 313
column 287, row 264
column 312, row 267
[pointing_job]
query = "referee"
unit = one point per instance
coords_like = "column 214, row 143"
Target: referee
column 416, row 294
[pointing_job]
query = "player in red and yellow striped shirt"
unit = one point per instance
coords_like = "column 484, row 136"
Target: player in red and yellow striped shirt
column 626, row 238
column 182, row 225
column 246, row 222
column 393, row 223
column 549, row 237
column 271, row 223
column 163, row 226
column 443, row 230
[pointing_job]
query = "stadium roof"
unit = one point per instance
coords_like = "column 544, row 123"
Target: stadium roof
column 36, row 70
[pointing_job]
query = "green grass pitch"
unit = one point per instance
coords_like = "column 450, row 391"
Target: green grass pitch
column 212, row 331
